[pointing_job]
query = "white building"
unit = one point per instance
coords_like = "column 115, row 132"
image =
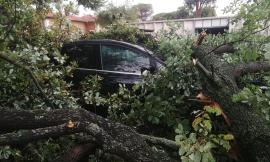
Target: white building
column 212, row 25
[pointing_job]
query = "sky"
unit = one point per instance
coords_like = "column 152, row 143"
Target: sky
column 160, row 6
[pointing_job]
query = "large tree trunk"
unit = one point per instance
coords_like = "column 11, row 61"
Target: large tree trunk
column 219, row 82
column 113, row 138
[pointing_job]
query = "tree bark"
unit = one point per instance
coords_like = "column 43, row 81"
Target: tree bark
column 227, row 48
column 197, row 9
column 252, row 67
column 113, row 138
column 250, row 129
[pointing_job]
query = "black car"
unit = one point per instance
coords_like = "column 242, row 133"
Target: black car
column 115, row 61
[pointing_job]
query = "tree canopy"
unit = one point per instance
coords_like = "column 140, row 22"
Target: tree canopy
column 198, row 6
column 181, row 13
column 93, row 4
column 113, row 14
column 144, row 10
column 186, row 12
column 125, row 13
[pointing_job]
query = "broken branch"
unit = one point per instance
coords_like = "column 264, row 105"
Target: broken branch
column 227, row 48
column 160, row 141
column 238, row 40
column 200, row 39
column 251, row 67
column 26, row 136
column 112, row 137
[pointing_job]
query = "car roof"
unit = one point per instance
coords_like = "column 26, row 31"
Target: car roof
column 112, row 41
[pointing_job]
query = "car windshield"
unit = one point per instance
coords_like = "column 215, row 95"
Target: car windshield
column 117, row 58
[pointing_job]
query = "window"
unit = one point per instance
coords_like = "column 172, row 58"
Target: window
column 116, row 58
column 88, row 56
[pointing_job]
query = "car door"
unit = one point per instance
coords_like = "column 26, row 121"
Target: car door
column 122, row 65
column 87, row 55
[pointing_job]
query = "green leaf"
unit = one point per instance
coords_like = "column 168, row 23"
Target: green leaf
column 228, row 137
column 192, row 137
column 208, row 146
column 196, row 156
column 208, row 157
column 213, row 110
column 179, row 129
column 181, row 151
column 207, row 124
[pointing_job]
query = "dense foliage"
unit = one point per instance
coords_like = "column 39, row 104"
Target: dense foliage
column 187, row 11
column 128, row 13
column 181, row 13
column 113, row 14
column 200, row 6
column 144, row 11
column 160, row 102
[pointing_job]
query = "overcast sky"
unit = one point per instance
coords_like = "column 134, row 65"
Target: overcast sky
column 164, row 5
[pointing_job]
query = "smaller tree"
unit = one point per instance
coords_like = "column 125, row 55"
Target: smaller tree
column 112, row 14
column 164, row 16
column 181, row 13
column 208, row 11
column 144, row 10
column 93, row 4
column 198, row 5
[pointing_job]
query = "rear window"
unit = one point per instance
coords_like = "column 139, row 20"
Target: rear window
column 87, row 56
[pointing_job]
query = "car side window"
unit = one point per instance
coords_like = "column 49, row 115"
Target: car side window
column 88, row 56
column 117, row 58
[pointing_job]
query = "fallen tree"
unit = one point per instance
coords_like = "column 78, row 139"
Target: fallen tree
column 220, row 83
column 219, row 80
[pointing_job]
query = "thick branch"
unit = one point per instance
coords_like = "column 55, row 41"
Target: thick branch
column 238, row 40
column 160, row 141
column 250, row 129
column 200, row 39
column 227, row 48
column 25, row 136
column 114, row 138
column 207, row 73
column 77, row 154
column 252, row 67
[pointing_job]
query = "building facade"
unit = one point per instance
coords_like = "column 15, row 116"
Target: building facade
column 85, row 23
column 213, row 25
